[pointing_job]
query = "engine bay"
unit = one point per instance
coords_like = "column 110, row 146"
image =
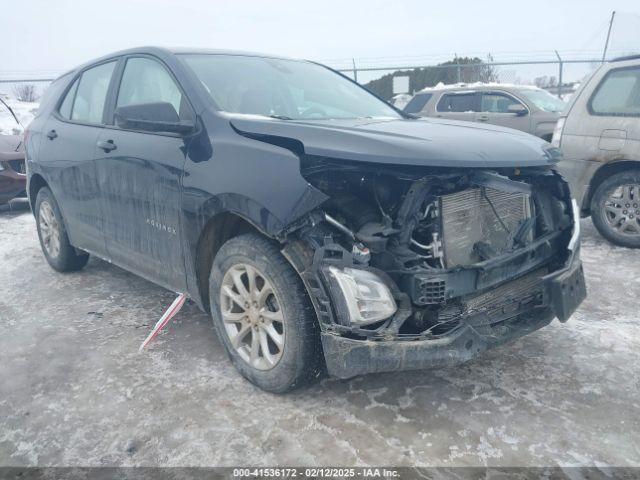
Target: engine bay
column 453, row 244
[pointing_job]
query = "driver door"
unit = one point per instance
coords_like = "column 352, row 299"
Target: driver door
column 140, row 177
column 495, row 109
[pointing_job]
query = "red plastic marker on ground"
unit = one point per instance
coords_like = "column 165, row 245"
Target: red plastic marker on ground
column 168, row 315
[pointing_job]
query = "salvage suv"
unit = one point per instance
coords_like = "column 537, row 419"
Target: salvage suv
column 599, row 134
column 320, row 227
column 523, row 107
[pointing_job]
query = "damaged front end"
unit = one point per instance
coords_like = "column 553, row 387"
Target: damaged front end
column 412, row 267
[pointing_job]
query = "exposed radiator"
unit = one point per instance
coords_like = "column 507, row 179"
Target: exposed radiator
column 468, row 218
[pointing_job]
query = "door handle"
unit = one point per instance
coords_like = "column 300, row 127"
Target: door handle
column 51, row 134
column 106, row 145
column 482, row 118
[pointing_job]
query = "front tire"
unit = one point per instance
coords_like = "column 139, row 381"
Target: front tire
column 615, row 209
column 263, row 315
column 60, row 254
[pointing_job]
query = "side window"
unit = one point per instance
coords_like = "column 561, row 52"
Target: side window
column 457, row 102
column 146, row 81
column 497, row 103
column 91, row 93
column 417, row 103
column 67, row 103
column 618, row 94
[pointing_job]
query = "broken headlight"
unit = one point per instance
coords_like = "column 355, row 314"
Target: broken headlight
column 367, row 298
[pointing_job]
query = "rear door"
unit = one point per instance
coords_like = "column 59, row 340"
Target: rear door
column 140, row 177
column 615, row 111
column 494, row 109
column 458, row 105
column 67, row 153
column 603, row 125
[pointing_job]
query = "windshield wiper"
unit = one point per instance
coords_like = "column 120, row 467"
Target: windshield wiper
column 281, row 117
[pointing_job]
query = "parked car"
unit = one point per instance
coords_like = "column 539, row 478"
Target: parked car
column 13, row 179
column 526, row 108
column 314, row 221
column 600, row 137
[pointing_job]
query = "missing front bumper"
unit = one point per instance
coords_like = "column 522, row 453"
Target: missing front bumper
column 346, row 357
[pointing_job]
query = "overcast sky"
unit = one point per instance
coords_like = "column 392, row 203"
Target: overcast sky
column 45, row 35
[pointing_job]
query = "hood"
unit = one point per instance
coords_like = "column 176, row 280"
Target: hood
column 417, row 142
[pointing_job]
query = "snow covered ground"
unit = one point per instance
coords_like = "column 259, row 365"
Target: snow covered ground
column 75, row 391
column 25, row 111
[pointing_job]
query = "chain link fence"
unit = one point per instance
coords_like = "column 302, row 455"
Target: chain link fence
column 558, row 74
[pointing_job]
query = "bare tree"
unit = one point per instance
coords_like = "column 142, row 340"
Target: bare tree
column 488, row 73
column 25, row 92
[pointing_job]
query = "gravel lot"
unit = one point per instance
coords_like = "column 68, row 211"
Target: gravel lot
column 75, row 391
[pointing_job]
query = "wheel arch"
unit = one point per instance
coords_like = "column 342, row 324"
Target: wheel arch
column 36, row 182
column 604, row 172
column 218, row 229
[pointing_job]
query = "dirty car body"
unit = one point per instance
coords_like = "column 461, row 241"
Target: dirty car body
column 420, row 242
column 599, row 134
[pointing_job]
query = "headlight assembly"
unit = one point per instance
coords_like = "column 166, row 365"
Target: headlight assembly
column 367, row 297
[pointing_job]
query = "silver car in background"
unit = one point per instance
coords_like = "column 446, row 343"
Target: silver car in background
column 522, row 107
column 599, row 135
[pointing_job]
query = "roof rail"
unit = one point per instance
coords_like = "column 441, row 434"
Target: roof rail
column 627, row 57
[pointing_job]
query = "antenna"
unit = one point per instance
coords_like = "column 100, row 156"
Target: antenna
column 606, row 43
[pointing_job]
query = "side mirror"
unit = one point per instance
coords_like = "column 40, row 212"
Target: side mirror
column 152, row 117
column 518, row 109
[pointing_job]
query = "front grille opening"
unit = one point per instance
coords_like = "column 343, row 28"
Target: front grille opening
column 433, row 322
column 489, row 311
column 521, row 292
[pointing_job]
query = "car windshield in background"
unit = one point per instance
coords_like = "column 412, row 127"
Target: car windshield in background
column 417, row 103
column 286, row 89
column 544, row 100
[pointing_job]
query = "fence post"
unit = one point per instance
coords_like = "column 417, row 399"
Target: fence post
column 559, row 75
column 355, row 70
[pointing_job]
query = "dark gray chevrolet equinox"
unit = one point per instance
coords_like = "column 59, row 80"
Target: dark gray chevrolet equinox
column 321, row 227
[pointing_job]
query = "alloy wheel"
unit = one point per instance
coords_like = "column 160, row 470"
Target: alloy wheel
column 49, row 229
column 622, row 210
column 253, row 319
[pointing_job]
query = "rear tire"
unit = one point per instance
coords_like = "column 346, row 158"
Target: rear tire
column 615, row 209
column 60, row 254
column 263, row 316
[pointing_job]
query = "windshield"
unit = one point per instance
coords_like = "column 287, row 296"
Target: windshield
column 286, row 89
column 544, row 100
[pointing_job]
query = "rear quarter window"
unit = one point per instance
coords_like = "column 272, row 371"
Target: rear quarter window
column 67, row 103
column 618, row 94
column 52, row 94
